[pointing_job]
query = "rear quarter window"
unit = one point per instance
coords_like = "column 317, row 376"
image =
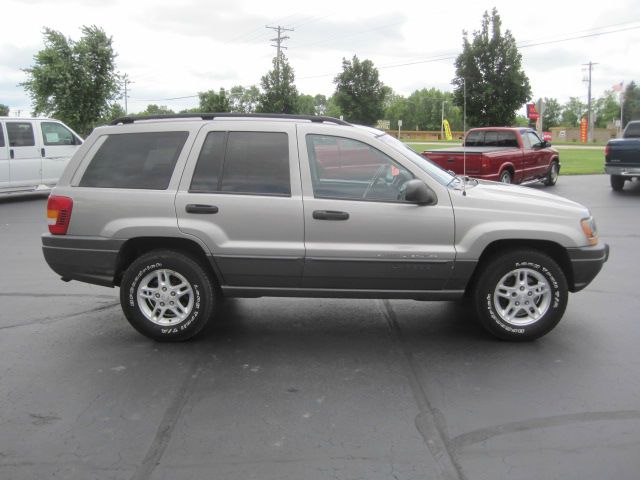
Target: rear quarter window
column 135, row 160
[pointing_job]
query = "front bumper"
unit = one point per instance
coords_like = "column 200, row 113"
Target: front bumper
column 86, row 259
column 622, row 171
column 586, row 262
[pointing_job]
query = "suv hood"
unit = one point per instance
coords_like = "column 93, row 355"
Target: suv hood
column 516, row 199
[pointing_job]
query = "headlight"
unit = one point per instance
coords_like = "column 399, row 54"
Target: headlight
column 590, row 230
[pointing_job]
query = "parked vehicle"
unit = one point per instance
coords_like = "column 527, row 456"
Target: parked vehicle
column 622, row 156
column 179, row 211
column 507, row 155
column 34, row 153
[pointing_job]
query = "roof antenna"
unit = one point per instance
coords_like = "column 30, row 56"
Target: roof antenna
column 464, row 131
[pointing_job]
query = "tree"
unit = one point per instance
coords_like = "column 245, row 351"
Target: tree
column 332, row 108
column 153, row 109
column 4, row 110
column 75, row 82
column 359, row 92
column 606, row 109
column 306, row 105
column 572, row 112
column 631, row 104
column 279, row 94
column 210, row 101
column 320, row 104
column 551, row 113
column 244, row 100
column 491, row 66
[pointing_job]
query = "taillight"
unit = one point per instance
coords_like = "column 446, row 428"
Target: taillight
column 607, row 150
column 59, row 214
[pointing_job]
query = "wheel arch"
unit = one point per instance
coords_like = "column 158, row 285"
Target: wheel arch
column 135, row 247
column 556, row 251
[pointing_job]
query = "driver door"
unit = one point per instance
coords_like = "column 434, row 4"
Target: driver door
column 359, row 232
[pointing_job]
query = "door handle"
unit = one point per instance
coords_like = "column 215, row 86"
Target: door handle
column 42, row 152
column 11, row 153
column 198, row 208
column 330, row 215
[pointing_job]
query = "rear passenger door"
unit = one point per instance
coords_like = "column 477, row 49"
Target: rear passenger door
column 25, row 160
column 241, row 195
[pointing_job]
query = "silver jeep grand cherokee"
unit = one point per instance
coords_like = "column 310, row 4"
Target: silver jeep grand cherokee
column 180, row 210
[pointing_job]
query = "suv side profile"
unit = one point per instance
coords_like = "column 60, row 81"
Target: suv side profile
column 180, row 210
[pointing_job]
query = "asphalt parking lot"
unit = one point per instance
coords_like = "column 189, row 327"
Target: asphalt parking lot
column 319, row 389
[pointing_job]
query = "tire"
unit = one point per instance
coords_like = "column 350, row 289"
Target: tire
column 148, row 306
column 501, row 300
column 552, row 174
column 506, row 177
column 617, row 182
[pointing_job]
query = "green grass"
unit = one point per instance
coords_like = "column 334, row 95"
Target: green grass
column 581, row 162
column 575, row 161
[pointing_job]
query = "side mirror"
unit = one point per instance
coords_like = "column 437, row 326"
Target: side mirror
column 416, row 191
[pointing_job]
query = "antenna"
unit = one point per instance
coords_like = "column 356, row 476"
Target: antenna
column 464, row 131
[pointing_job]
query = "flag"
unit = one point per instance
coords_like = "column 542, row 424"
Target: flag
column 617, row 87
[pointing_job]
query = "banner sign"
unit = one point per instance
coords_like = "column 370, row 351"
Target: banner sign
column 547, row 136
column 447, row 130
column 583, row 130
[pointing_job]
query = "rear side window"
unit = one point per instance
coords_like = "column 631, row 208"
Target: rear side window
column 135, row 160
column 507, row 139
column 20, row 134
column 1, row 136
column 57, row 134
column 632, row 130
column 243, row 162
column 475, row 139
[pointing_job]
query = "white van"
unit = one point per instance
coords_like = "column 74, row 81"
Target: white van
column 33, row 153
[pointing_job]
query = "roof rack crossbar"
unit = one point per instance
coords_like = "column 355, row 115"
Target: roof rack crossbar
column 210, row 116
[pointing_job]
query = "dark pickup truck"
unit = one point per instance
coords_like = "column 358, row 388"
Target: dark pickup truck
column 622, row 156
column 507, row 155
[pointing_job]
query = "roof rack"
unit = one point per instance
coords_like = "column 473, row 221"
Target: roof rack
column 211, row 116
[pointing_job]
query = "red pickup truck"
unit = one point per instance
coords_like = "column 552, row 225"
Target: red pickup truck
column 507, row 155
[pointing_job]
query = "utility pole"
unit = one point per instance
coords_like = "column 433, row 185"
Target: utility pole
column 279, row 39
column 589, row 116
column 126, row 81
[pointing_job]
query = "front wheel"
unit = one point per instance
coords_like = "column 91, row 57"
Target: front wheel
column 166, row 295
column 617, row 182
column 520, row 295
column 552, row 174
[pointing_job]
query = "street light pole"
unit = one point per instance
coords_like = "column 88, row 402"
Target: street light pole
column 442, row 122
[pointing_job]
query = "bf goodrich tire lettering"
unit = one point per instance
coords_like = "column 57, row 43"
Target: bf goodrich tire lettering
column 520, row 295
column 167, row 296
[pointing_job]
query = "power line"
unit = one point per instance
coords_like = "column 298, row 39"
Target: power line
column 451, row 56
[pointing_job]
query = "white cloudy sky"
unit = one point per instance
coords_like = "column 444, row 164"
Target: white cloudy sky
column 175, row 48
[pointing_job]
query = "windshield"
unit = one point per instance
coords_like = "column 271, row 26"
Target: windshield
column 436, row 171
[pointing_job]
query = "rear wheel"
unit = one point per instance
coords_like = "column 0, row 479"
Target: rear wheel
column 167, row 296
column 506, row 177
column 520, row 295
column 552, row 174
column 617, row 182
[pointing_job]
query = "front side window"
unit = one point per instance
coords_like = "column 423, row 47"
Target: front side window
column 135, row 160
column 20, row 134
column 57, row 134
column 533, row 139
column 255, row 163
column 349, row 169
